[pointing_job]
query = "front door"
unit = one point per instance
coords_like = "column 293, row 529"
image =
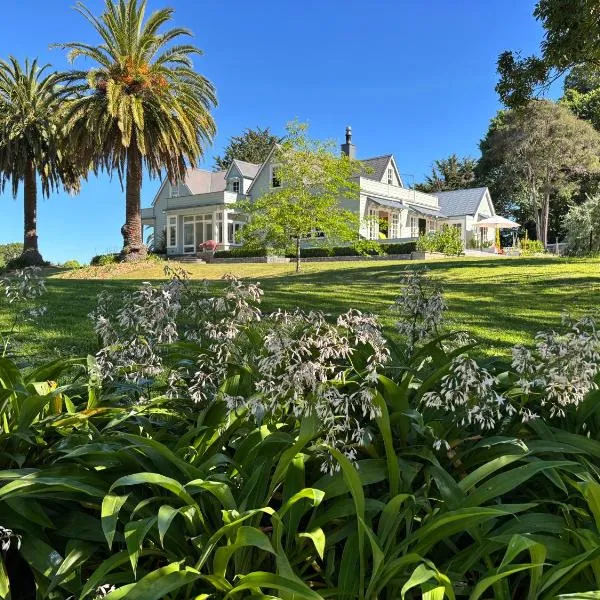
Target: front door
column 422, row 226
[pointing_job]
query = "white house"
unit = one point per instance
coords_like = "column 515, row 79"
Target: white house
column 202, row 208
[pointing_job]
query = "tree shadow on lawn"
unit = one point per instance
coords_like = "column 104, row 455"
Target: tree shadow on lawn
column 500, row 301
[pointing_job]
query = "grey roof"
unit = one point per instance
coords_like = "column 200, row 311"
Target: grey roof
column 199, row 181
column 429, row 212
column 376, row 167
column 389, row 203
column 248, row 170
column 460, row 202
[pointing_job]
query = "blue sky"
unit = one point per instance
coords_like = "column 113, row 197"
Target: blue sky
column 414, row 78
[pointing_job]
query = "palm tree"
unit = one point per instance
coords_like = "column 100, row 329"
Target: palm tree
column 32, row 144
column 141, row 105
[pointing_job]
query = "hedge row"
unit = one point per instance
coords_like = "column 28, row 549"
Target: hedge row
column 405, row 248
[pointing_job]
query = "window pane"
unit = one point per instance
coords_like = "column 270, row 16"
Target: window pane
column 188, row 234
column 209, row 231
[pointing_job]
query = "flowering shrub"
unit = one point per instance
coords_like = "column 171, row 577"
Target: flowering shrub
column 420, row 308
column 293, row 451
column 562, row 368
column 209, row 246
column 23, row 289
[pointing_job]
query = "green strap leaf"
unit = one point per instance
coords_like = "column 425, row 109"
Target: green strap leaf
column 111, row 505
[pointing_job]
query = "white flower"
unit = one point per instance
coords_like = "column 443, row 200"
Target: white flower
column 420, row 308
column 467, row 396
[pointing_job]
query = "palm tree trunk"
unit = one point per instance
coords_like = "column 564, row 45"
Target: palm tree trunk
column 31, row 253
column 133, row 244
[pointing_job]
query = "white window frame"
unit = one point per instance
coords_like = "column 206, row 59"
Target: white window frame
column 414, row 227
column 171, row 226
column 236, row 182
column 173, row 190
column 393, row 233
column 373, row 224
column 390, row 176
column 272, row 173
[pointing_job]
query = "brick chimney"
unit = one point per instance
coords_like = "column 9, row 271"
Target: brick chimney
column 349, row 149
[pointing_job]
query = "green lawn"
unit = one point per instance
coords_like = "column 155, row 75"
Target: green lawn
column 498, row 301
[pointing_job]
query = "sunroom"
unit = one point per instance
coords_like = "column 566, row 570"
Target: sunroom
column 188, row 230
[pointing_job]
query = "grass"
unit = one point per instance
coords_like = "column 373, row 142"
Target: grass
column 501, row 302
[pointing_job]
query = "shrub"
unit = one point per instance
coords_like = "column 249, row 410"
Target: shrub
column 529, row 247
column 405, row 248
column 9, row 252
column 208, row 481
column 447, row 240
column 71, row 264
column 23, row 261
column 315, row 252
column 242, row 252
column 368, row 248
column 102, row 260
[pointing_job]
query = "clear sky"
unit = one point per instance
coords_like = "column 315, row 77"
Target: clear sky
column 413, row 77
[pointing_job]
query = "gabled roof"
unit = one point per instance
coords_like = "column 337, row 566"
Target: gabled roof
column 460, row 202
column 376, row 167
column 261, row 167
column 248, row 170
column 199, row 181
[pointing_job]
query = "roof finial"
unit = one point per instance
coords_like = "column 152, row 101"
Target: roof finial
column 348, row 135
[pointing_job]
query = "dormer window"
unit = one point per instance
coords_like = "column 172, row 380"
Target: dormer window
column 390, row 176
column 174, row 191
column 235, row 186
column 275, row 181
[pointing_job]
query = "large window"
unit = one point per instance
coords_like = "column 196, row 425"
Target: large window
column 414, row 227
column 373, row 224
column 172, row 232
column 234, row 224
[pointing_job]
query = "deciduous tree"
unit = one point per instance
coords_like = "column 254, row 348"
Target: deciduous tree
column 313, row 183
column 571, row 39
column 541, row 150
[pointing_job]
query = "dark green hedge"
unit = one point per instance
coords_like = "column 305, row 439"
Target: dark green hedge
column 405, row 248
column 241, row 253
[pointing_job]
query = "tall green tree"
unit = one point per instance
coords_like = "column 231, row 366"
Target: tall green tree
column 582, row 225
column 252, row 146
column 140, row 105
column 541, row 151
column 32, row 142
column 311, row 184
column 447, row 174
column 571, row 39
column 582, row 94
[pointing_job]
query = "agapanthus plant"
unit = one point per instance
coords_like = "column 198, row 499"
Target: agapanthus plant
column 420, row 308
column 23, row 291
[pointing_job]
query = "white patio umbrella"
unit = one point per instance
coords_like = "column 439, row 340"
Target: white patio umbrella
column 497, row 222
